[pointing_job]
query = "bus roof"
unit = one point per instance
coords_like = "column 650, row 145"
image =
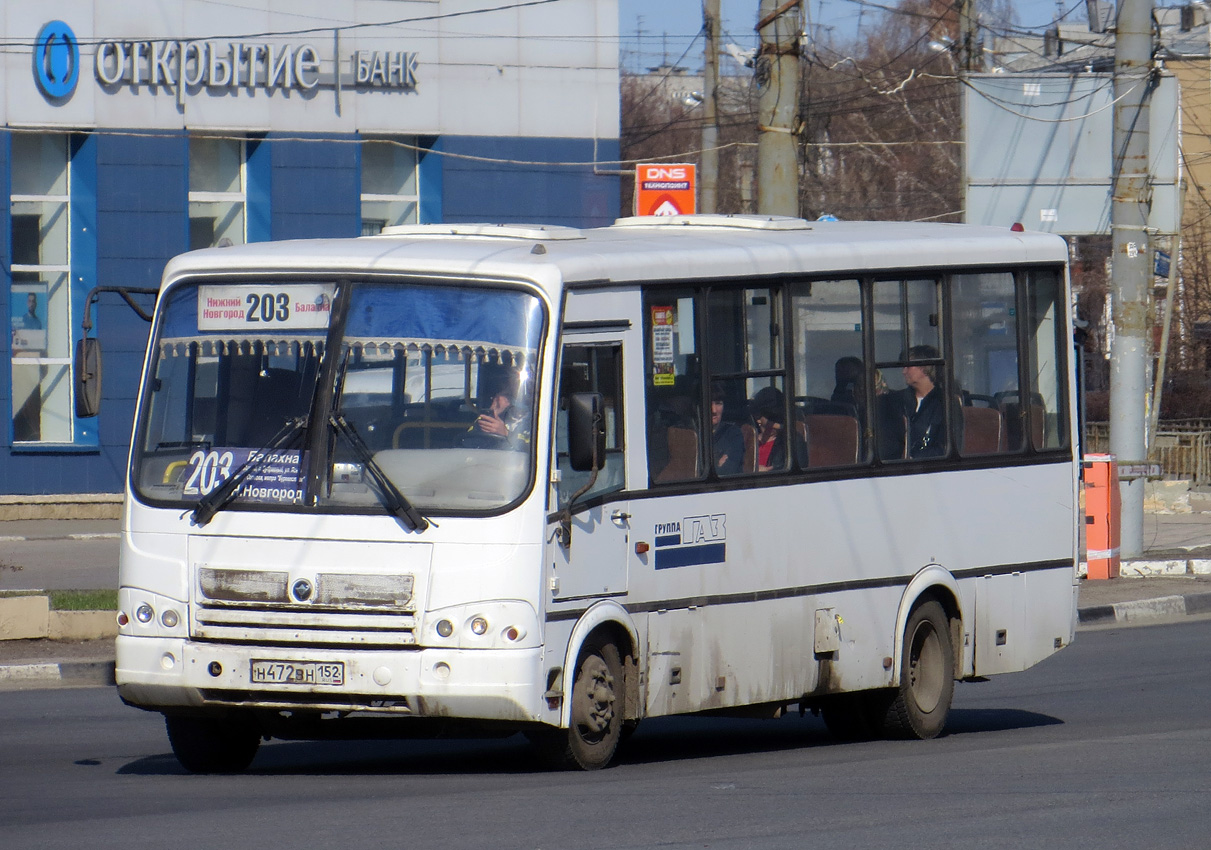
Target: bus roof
column 638, row 249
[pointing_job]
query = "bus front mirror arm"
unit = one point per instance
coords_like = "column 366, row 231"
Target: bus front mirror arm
column 586, row 449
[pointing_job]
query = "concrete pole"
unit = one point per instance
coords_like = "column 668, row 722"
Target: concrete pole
column 778, row 108
column 970, row 58
column 708, row 180
column 1131, row 262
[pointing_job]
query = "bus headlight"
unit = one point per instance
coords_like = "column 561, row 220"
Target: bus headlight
column 479, row 625
column 145, row 613
column 169, row 618
column 445, row 628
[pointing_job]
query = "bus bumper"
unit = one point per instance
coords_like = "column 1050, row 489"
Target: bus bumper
column 489, row 684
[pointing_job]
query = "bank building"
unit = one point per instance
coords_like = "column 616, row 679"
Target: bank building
column 135, row 131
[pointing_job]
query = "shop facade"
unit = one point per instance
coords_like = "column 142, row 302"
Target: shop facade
column 133, row 132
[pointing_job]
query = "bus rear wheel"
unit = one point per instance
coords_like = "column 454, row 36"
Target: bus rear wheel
column 596, row 725
column 926, row 675
column 208, row 745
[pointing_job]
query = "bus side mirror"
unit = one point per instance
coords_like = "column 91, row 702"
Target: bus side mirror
column 586, row 431
column 86, row 372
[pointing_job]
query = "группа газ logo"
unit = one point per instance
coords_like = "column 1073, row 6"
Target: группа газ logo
column 56, row 60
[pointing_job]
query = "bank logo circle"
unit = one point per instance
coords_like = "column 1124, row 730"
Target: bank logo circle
column 56, row 60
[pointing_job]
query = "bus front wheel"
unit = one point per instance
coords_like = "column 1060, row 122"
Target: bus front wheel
column 926, row 675
column 596, row 722
column 208, row 745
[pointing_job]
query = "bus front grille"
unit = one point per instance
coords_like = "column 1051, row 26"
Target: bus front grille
column 327, row 609
column 303, row 625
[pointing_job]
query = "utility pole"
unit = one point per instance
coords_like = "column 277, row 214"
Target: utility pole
column 970, row 58
column 708, row 201
column 1131, row 263
column 778, row 107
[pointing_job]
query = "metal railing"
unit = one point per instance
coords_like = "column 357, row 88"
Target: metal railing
column 1182, row 447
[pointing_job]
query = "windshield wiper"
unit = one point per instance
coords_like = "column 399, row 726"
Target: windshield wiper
column 392, row 498
column 219, row 497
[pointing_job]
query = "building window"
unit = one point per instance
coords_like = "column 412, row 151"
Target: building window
column 216, row 192
column 389, row 185
column 40, row 297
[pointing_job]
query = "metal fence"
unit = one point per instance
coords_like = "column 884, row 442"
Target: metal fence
column 1182, row 447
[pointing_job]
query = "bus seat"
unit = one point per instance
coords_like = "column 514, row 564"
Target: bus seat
column 683, row 456
column 983, row 431
column 750, row 448
column 832, row 440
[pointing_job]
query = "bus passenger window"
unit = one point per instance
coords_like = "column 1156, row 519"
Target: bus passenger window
column 673, row 388
column 912, row 421
column 1045, row 406
column 985, row 333
column 830, row 374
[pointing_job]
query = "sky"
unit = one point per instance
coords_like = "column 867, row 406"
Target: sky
column 669, row 26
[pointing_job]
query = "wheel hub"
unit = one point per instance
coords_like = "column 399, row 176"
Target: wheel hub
column 594, row 704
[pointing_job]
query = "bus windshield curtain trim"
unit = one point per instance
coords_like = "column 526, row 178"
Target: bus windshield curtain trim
column 460, row 349
column 213, row 346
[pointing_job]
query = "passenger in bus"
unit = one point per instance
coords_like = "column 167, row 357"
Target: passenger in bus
column 769, row 410
column 848, row 372
column 727, row 439
column 924, row 406
column 503, row 425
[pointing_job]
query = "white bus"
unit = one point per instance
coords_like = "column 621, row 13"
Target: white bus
column 485, row 479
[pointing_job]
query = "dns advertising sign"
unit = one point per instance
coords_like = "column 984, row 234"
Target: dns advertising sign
column 665, row 189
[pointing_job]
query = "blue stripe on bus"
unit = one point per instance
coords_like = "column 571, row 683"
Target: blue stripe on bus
column 687, row 556
column 668, row 540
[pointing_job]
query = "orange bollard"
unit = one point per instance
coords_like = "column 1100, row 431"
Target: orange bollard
column 1103, row 508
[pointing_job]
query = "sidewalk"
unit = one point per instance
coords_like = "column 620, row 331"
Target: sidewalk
column 1171, row 579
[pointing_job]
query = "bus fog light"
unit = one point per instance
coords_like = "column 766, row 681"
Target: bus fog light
column 170, row 618
column 215, row 669
column 168, row 661
column 144, row 613
column 445, row 628
column 479, row 625
column 441, row 670
column 514, row 633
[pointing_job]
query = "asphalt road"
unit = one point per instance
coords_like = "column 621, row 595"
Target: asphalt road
column 1107, row 745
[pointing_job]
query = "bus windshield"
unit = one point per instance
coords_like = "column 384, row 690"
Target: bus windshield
column 431, row 394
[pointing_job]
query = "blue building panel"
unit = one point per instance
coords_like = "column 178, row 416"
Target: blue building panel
column 315, row 189
column 521, row 191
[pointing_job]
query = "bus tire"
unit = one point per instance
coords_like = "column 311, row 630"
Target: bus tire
column 596, row 723
column 208, row 745
column 926, row 675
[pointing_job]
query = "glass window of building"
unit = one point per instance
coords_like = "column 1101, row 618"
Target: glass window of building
column 40, row 301
column 216, row 192
column 389, row 185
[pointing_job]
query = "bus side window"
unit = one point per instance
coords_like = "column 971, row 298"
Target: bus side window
column 673, row 388
column 830, row 372
column 912, row 421
column 1044, row 408
column 984, row 325
column 597, row 369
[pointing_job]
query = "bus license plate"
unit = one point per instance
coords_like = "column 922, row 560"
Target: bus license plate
column 298, row 672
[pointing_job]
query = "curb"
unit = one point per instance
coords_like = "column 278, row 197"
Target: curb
column 71, row 673
column 1157, row 567
column 24, row 538
column 1143, row 610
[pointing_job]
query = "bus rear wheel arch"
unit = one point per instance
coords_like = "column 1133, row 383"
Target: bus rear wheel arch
column 927, row 674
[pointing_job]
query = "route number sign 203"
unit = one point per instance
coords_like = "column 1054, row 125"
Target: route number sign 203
column 253, row 307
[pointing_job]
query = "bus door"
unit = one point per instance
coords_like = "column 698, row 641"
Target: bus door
column 592, row 561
